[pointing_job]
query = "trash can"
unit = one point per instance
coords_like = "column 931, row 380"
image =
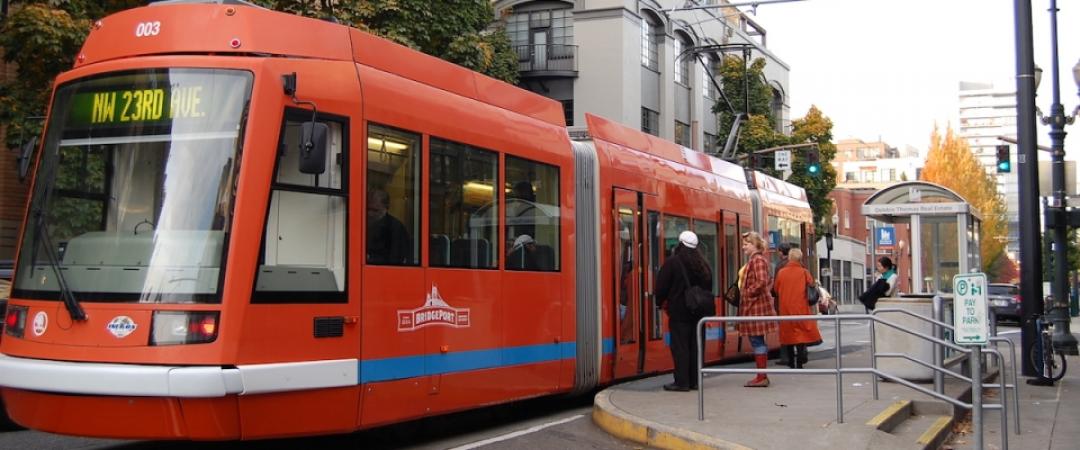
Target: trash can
column 891, row 340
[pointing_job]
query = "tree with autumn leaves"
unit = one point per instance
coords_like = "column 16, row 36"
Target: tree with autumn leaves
column 951, row 164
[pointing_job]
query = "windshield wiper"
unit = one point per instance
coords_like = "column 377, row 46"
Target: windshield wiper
column 41, row 231
column 72, row 305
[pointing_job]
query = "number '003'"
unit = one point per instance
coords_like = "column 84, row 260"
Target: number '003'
column 147, row 29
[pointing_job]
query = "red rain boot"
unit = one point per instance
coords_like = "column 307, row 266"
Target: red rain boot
column 761, row 380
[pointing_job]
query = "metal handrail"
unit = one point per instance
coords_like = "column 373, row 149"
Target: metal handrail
column 938, row 385
column 974, row 360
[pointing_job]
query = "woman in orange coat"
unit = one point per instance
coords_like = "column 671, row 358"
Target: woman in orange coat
column 791, row 283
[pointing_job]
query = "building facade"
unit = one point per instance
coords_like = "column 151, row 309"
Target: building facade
column 632, row 61
column 988, row 112
column 12, row 191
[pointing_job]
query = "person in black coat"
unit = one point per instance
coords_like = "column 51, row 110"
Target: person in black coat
column 670, row 287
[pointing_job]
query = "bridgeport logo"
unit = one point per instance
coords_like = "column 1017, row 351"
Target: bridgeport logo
column 435, row 312
column 121, row 326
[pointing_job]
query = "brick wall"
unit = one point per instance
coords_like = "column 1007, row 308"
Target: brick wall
column 12, row 191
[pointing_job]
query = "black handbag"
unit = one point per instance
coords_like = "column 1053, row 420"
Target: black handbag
column 813, row 295
column 731, row 295
column 699, row 302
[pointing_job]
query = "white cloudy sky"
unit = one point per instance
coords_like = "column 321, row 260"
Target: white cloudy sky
column 891, row 68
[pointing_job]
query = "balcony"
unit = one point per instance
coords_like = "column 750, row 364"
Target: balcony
column 547, row 60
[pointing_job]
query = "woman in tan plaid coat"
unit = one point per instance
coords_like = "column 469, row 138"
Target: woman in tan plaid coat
column 756, row 300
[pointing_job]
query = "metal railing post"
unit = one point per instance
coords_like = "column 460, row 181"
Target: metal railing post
column 1016, row 381
column 974, row 358
column 839, row 375
column 873, row 356
column 700, row 331
column 976, row 394
column 1003, row 389
column 939, row 351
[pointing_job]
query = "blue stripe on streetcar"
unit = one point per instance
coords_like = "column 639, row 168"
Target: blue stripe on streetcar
column 402, row 367
column 439, row 364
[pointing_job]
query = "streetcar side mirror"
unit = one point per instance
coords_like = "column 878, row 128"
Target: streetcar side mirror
column 25, row 156
column 313, row 148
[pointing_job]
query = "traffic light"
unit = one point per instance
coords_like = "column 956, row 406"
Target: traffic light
column 813, row 162
column 1004, row 164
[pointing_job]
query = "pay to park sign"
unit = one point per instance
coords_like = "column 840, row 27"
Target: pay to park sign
column 970, row 309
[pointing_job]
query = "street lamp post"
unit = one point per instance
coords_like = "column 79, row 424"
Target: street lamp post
column 1056, row 213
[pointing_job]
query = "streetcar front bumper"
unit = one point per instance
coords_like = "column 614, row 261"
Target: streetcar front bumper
column 65, row 377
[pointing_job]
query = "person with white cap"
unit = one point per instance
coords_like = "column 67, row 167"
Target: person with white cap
column 683, row 269
column 522, row 253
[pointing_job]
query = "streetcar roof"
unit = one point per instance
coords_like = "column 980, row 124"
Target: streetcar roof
column 243, row 30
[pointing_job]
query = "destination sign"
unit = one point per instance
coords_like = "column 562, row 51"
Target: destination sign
column 129, row 106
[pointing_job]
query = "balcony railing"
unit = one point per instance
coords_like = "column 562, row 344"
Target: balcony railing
column 547, row 60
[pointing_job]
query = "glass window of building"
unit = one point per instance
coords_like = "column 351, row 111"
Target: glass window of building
column 682, row 134
column 650, row 29
column 709, row 143
column 706, row 77
column 684, row 63
column 650, row 121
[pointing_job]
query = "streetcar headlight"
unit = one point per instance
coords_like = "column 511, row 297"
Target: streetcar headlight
column 183, row 327
column 15, row 321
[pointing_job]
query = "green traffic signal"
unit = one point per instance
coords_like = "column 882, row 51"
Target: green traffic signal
column 1004, row 163
column 814, row 169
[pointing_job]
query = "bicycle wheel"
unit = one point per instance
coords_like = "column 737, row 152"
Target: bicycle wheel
column 1054, row 368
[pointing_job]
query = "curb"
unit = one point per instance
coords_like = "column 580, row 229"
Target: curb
column 622, row 425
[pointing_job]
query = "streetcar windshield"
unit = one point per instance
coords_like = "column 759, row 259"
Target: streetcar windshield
column 132, row 199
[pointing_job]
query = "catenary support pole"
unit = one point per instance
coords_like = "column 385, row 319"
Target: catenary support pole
column 1028, row 168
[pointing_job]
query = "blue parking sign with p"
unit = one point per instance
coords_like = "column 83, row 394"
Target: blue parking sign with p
column 886, row 237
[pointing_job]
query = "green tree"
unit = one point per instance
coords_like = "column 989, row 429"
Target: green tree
column 42, row 38
column 458, row 31
column 815, row 128
column 759, row 132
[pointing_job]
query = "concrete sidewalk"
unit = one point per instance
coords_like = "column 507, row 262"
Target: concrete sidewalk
column 799, row 411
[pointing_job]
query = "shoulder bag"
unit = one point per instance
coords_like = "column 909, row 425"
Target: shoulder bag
column 731, row 295
column 699, row 302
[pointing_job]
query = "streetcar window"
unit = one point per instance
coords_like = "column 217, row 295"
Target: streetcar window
column 653, row 235
column 673, row 225
column 463, row 206
column 303, row 251
column 731, row 252
column 707, row 243
column 393, row 197
column 532, row 215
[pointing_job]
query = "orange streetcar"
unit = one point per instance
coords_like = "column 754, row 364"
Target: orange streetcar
column 247, row 224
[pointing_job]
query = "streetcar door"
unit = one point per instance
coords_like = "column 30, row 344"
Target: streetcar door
column 628, row 254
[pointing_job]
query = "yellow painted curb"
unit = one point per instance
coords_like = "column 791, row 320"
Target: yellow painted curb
column 935, row 430
column 888, row 413
column 623, row 426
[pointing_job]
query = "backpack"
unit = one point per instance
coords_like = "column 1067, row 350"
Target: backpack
column 699, row 302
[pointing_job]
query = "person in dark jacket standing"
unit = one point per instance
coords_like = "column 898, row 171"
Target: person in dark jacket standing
column 670, row 289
